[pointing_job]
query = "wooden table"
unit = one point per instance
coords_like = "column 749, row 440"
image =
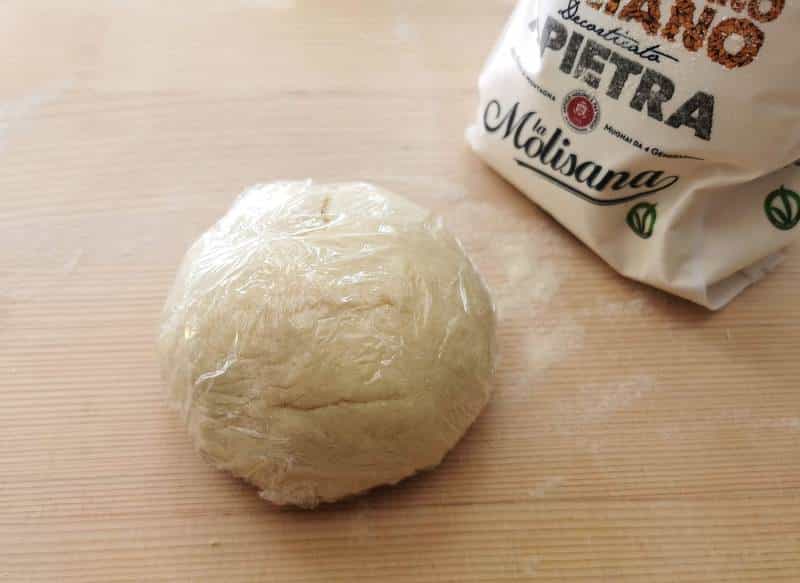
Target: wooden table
column 632, row 436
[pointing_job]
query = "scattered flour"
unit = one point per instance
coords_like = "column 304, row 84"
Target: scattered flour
column 746, row 419
column 14, row 112
column 72, row 263
column 597, row 402
column 273, row 4
column 786, row 423
column 404, row 31
column 637, row 306
column 515, row 255
column 546, row 486
column 529, row 281
column 530, row 565
column 522, row 259
column 547, row 346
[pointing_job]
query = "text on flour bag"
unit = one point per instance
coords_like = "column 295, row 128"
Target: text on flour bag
column 665, row 134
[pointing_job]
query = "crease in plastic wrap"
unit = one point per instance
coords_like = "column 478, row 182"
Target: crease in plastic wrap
column 321, row 340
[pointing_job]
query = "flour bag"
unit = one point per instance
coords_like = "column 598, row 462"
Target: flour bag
column 665, row 134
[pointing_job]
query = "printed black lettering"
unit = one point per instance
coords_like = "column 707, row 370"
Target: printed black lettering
column 594, row 170
column 547, row 153
column 553, row 37
column 697, row 113
column 654, row 90
column 571, row 53
column 620, row 180
column 625, row 68
column 588, row 64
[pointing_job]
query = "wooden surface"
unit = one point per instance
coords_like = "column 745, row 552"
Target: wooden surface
column 631, row 437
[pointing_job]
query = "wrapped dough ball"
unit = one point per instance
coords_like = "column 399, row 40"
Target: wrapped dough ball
column 321, row 340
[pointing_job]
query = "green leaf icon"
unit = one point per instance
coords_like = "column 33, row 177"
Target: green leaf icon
column 642, row 219
column 783, row 208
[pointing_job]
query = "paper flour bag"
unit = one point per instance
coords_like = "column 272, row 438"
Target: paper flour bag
column 663, row 133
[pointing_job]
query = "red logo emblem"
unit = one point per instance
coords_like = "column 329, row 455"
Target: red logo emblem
column 581, row 111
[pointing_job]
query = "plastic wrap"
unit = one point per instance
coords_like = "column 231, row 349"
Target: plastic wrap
column 321, row 340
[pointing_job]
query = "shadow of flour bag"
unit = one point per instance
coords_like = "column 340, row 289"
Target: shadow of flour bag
column 663, row 133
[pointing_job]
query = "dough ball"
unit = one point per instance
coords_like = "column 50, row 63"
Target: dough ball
column 321, row 340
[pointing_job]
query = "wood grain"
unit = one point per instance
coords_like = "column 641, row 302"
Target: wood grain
column 632, row 436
